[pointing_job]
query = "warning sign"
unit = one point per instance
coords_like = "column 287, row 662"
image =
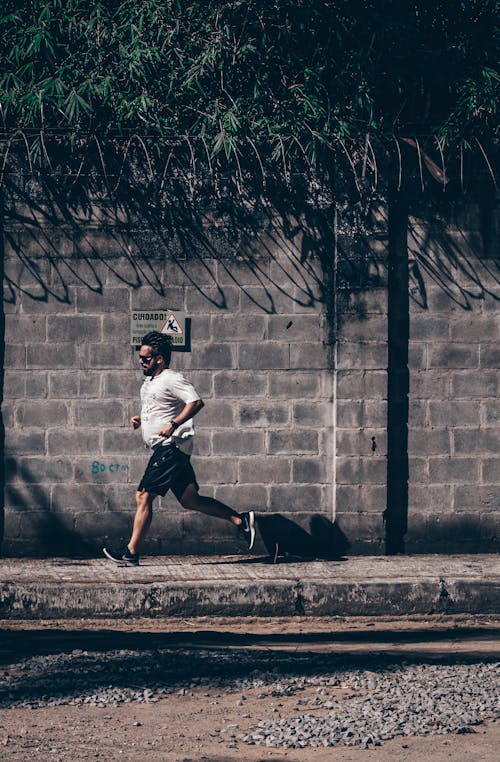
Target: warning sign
column 170, row 322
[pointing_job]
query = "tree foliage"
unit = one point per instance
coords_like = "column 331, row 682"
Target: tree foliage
column 277, row 82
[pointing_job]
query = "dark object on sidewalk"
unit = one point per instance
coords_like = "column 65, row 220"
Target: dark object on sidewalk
column 284, row 538
column 122, row 557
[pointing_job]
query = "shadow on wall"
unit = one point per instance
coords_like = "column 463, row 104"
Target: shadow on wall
column 38, row 521
column 286, row 540
column 67, row 230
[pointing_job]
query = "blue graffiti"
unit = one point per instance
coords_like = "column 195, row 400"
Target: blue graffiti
column 113, row 468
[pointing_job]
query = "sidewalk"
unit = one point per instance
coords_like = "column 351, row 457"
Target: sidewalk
column 189, row 586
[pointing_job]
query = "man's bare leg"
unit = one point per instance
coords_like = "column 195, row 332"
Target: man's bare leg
column 193, row 501
column 142, row 519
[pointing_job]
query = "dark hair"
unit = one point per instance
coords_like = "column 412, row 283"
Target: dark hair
column 160, row 343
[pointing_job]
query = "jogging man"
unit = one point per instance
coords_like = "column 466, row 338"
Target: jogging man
column 169, row 404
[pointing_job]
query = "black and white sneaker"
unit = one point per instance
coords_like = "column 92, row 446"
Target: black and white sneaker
column 247, row 528
column 123, row 556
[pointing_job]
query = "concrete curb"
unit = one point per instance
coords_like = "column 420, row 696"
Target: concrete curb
column 379, row 586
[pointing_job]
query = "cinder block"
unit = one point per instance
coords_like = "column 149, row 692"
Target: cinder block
column 417, row 413
column 261, row 356
column 367, row 302
column 215, row 470
column 217, row 414
column 64, row 384
column 202, row 444
column 310, row 471
column 365, row 499
column 89, row 301
column 286, row 441
column 473, row 384
column 429, row 441
column 104, row 527
column 210, row 357
column 14, row 385
column 75, row 328
column 491, row 471
column 264, row 470
column 490, row 356
column 101, row 356
column 418, row 470
column 307, row 355
column 430, row 498
column 237, row 442
column 120, row 498
column 36, row 385
column 33, row 470
column 89, row 497
column 99, row 413
column 361, row 384
column 475, row 328
column 242, row 272
column 362, row 442
column 206, row 299
column 89, row 384
column 375, row 413
column 122, row 383
column 314, row 413
column 294, row 385
column 26, row 442
column 258, row 299
column 263, row 414
column 369, row 470
column 429, row 327
column 116, row 329
column 357, row 355
column 240, row 384
column 475, row 441
column 453, row 355
column 292, row 328
column 42, row 413
column 491, row 413
column 453, row 470
column 243, row 497
column 477, row 498
column 8, row 414
column 15, row 356
column 364, row 328
column 27, row 328
column 237, row 327
column 118, row 441
column 428, row 384
column 73, row 442
column 417, row 356
column 61, row 355
column 350, row 414
column 456, row 413
column 292, row 497
column 26, row 497
column 203, row 381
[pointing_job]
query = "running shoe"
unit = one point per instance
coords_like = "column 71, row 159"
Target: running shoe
column 123, row 556
column 247, row 528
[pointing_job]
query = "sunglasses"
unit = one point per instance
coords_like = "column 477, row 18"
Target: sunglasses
column 145, row 359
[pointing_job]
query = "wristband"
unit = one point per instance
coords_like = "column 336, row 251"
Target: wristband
column 174, row 425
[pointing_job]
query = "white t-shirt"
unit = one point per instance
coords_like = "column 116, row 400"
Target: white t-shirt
column 162, row 398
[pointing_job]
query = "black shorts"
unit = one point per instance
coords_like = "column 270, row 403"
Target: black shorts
column 168, row 468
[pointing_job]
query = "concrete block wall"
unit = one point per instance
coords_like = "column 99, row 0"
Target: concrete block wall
column 454, row 437
column 361, row 389
column 296, row 405
column 259, row 358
